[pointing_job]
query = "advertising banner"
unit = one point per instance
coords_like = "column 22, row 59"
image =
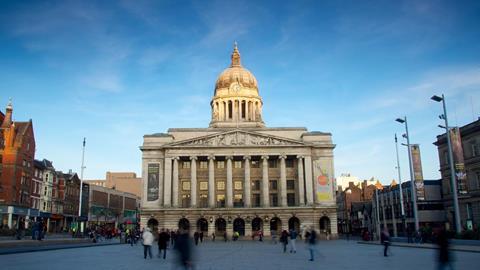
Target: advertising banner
column 458, row 161
column 323, row 183
column 418, row 172
column 153, row 181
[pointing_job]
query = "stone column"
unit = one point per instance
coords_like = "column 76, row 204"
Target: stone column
column 211, row 181
column 309, row 180
column 248, row 229
column 175, row 182
column 193, row 182
column 167, row 189
column 246, row 183
column 229, row 186
column 254, row 113
column 265, row 190
column 301, row 187
column 283, row 181
column 246, row 110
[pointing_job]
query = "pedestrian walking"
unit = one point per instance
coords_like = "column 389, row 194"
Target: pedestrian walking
column 260, row 236
column 213, row 237
column 163, row 239
column 225, row 236
column 385, row 240
column 184, row 249
column 293, row 239
column 284, row 240
column 196, row 236
column 443, row 252
column 312, row 241
column 148, row 238
column 201, row 237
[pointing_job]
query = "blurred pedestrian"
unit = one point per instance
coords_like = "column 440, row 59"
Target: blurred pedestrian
column 443, row 252
column 213, row 236
column 201, row 237
column 183, row 246
column 163, row 238
column 196, row 236
column 293, row 239
column 148, row 238
column 225, row 236
column 312, row 241
column 385, row 240
column 284, row 240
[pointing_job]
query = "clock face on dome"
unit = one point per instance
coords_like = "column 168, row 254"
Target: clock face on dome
column 235, row 87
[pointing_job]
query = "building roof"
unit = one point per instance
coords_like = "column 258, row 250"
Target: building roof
column 464, row 130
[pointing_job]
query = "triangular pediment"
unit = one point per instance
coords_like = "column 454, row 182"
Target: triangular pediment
column 237, row 138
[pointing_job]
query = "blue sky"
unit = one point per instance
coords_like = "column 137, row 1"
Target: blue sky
column 114, row 71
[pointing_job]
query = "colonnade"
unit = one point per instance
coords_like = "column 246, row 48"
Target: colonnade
column 235, row 109
column 304, row 188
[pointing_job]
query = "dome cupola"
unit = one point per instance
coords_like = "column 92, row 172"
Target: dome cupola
column 236, row 102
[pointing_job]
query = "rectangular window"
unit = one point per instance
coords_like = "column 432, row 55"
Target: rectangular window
column 475, row 149
column 203, row 185
column 221, row 185
column 273, row 185
column 255, row 200
column 185, row 200
column 256, row 185
column 203, row 165
column 238, row 200
column 220, row 164
column 289, row 163
column 220, row 200
column 255, row 164
column 203, row 203
column 273, row 200
column 185, row 185
column 478, row 179
column 291, row 199
column 290, row 184
column 238, row 185
column 237, row 164
column 272, row 163
column 186, row 164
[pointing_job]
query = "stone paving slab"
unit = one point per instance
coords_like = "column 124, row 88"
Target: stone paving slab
column 464, row 248
column 240, row 255
column 52, row 245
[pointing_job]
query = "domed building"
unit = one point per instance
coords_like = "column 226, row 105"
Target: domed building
column 238, row 175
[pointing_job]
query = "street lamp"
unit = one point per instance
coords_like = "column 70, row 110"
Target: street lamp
column 453, row 183
column 400, row 185
column 412, row 180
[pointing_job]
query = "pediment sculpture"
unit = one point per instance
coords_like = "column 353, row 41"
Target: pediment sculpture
column 237, row 139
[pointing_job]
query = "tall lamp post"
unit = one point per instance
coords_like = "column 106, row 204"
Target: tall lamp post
column 81, row 182
column 400, row 185
column 412, row 180
column 453, row 183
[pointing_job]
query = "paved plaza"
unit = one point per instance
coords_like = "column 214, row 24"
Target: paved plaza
column 239, row 255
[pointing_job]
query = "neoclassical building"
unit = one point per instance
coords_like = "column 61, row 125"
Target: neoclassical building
column 238, row 174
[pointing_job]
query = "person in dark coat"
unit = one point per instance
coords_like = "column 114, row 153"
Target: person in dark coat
column 385, row 240
column 312, row 240
column 443, row 252
column 201, row 237
column 284, row 240
column 163, row 239
column 196, row 236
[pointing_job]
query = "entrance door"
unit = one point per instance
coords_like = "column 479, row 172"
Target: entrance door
column 220, row 226
column 239, row 226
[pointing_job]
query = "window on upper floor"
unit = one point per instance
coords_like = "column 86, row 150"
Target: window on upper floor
column 291, row 199
column 477, row 180
column 290, row 184
column 237, row 164
column 220, row 164
column 256, row 185
column 272, row 163
column 475, row 148
column 255, row 164
column 186, row 164
column 289, row 163
column 203, row 165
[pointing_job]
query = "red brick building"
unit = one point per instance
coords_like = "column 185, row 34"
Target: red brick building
column 17, row 150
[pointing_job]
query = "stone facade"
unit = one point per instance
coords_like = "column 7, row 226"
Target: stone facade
column 238, row 175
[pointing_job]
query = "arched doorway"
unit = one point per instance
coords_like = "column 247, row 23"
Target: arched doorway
column 239, row 226
column 202, row 225
column 184, row 224
column 220, row 226
column 275, row 224
column 257, row 225
column 325, row 224
column 152, row 224
column 294, row 222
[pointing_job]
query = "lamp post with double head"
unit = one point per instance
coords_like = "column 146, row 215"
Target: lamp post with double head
column 412, row 179
column 453, row 183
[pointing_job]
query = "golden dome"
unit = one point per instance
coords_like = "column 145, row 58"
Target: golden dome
column 236, row 74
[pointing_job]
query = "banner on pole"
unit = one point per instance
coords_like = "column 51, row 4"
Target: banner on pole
column 417, row 172
column 458, row 161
